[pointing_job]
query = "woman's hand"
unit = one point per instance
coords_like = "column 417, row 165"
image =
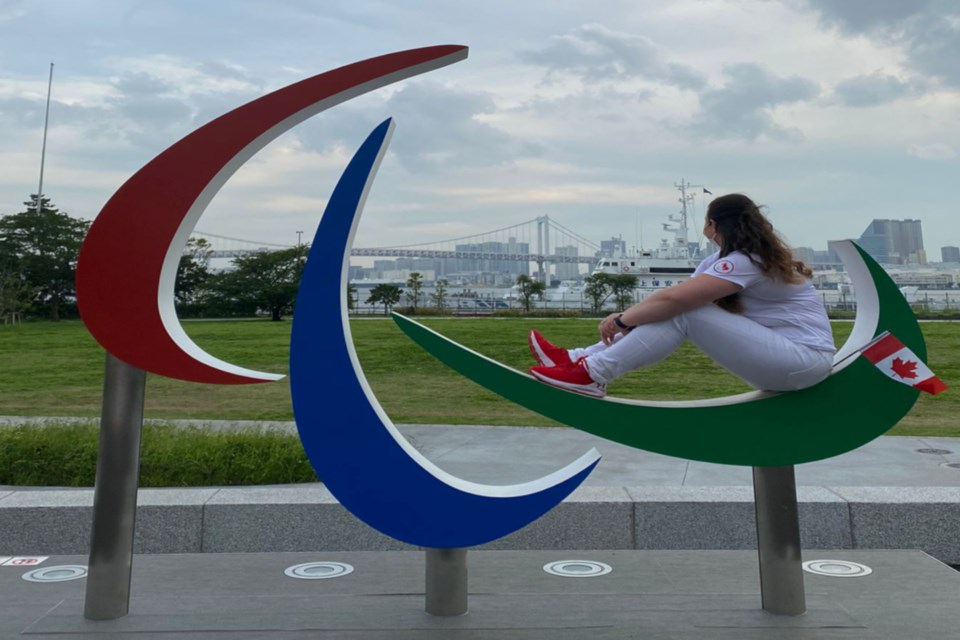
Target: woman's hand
column 667, row 303
column 609, row 329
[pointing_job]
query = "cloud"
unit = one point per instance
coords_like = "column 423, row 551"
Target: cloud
column 606, row 104
column 150, row 102
column 741, row 108
column 156, row 99
column 125, row 117
column 186, row 77
column 11, row 9
column 439, row 128
column 21, row 112
column 439, row 125
column 597, row 53
column 934, row 45
column 927, row 30
column 936, row 151
column 871, row 90
column 857, row 16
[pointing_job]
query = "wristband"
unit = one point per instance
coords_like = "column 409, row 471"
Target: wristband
column 617, row 321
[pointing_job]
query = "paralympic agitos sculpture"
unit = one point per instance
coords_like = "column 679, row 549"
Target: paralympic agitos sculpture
column 352, row 444
column 355, row 449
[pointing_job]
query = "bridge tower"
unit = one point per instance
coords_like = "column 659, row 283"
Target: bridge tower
column 543, row 247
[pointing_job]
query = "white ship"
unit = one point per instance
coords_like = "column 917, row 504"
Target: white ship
column 668, row 264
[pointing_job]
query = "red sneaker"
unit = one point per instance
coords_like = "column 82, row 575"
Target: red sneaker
column 573, row 376
column 546, row 354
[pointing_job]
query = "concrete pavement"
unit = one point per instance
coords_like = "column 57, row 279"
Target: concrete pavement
column 678, row 536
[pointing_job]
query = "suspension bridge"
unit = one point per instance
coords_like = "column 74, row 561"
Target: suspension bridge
column 541, row 240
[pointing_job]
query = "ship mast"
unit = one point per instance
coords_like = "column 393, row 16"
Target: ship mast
column 681, row 232
column 682, row 186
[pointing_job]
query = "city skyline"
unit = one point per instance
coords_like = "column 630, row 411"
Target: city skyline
column 893, row 243
column 830, row 113
column 609, row 246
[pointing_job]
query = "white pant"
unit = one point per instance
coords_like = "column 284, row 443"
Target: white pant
column 757, row 354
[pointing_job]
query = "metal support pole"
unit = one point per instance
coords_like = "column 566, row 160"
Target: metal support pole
column 446, row 582
column 778, row 540
column 43, row 149
column 115, row 494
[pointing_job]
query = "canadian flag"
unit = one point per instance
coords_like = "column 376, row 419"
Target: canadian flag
column 898, row 362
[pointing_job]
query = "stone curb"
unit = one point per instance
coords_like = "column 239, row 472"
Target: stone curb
column 308, row 518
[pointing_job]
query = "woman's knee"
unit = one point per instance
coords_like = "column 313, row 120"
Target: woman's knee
column 809, row 376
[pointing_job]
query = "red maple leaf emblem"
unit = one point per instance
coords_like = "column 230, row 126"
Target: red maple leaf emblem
column 904, row 369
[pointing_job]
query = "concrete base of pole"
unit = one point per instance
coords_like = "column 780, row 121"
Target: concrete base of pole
column 115, row 493
column 778, row 540
column 446, row 586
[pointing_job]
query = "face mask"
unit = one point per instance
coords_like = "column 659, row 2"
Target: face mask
column 707, row 234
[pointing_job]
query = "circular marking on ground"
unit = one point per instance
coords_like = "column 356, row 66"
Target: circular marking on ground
column 577, row 568
column 951, row 465
column 318, row 570
column 941, row 452
column 56, row 574
column 837, row 568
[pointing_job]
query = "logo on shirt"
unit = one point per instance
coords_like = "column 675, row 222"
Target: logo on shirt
column 724, row 266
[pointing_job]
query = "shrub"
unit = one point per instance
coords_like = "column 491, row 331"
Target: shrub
column 65, row 455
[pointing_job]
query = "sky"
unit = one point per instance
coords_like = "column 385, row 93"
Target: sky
column 829, row 112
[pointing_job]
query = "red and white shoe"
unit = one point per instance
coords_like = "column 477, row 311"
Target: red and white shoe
column 546, row 354
column 573, row 376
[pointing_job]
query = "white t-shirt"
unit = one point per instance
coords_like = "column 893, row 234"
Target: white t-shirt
column 793, row 310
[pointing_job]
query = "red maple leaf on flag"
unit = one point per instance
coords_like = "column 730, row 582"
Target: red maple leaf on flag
column 904, row 369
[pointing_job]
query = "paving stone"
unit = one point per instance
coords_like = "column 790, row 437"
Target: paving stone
column 590, row 518
column 285, row 519
column 926, row 518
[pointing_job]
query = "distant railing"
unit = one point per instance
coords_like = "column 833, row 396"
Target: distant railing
column 470, row 255
column 938, row 303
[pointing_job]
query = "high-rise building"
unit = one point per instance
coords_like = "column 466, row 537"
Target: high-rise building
column 492, row 265
column 894, row 241
column 832, row 257
column 950, row 254
column 358, row 273
column 420, row 265
column 613, row 247
column 825, row 257
column 567, row 270
column 805, row 255
column 384, row 265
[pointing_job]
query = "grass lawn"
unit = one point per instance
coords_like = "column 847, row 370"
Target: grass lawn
column 56, row 369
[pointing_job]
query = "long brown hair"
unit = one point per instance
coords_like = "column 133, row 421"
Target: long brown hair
column 744, row 228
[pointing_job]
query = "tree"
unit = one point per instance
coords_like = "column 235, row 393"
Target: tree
column 439, row 294
column 385, row 294
column 600, row 286
column 527, row 288
column 351, row 291
column 597, row 289
column 41, row 247
column 193, row 273
column 622, row 286
column 415, row 282
column 15, row 292
column 262, row 281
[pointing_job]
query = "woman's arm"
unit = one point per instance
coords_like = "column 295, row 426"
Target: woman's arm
column 669, row 302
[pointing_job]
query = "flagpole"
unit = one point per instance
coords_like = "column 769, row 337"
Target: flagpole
column 43, row 151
